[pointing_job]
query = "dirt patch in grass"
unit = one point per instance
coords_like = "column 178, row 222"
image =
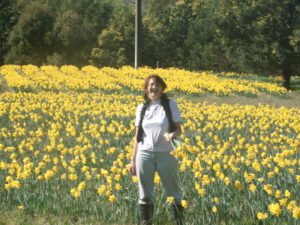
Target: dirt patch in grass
column 291, row 99
column 4, row 87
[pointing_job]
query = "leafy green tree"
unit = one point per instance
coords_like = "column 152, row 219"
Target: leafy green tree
column 266, row 31
column 158, row 10
column 29, row 38
column 70, row 37
column 116, row 42
column 8, row 18
column 76, row 28
column 52, row 31
column 155, row 46
column 295, row 40
column 177, row 31
column 206, row 49
column 165, row 31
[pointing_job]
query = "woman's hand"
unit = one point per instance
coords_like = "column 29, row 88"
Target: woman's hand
column 132, row 168
column 169, row 136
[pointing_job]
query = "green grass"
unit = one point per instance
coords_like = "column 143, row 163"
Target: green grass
column 21, row 217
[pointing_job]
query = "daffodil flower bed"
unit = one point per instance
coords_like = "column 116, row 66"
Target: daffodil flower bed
column 64, row 150
column 89, row 78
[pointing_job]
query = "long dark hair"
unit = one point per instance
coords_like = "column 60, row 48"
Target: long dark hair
column 158, row 80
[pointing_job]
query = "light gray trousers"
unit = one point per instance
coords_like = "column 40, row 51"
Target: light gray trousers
column 166, row 165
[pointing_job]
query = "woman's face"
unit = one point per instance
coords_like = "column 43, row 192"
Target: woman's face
column 154, row 90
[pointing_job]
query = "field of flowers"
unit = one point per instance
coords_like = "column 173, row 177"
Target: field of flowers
column 31, row 78
column 66, row 141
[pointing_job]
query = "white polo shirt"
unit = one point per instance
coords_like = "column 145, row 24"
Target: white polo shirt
column 155, row 125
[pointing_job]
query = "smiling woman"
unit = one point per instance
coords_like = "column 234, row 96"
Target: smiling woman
column 158, row 123
column 154, row 87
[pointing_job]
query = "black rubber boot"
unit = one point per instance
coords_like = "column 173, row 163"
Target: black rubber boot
column 178, row 214
column 146, row 212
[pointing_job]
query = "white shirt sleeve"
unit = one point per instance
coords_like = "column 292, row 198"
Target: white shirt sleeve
column 175, row 111
column 138, row 115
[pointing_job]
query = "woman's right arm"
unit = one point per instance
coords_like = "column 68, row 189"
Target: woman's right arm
column 132, row 168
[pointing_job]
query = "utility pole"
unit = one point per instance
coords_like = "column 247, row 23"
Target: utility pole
column 138, row 33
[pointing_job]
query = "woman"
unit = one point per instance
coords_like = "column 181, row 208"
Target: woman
column 158, row 123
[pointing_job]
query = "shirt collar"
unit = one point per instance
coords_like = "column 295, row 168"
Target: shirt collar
column 156, row 102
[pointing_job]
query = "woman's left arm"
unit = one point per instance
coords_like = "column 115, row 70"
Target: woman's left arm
column 174, row 134
column 176, row 117
column 177, row 131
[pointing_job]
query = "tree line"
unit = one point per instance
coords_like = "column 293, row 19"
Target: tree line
column 252, row 36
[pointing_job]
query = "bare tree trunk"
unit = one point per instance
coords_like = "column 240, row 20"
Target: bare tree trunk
column 286, row 75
